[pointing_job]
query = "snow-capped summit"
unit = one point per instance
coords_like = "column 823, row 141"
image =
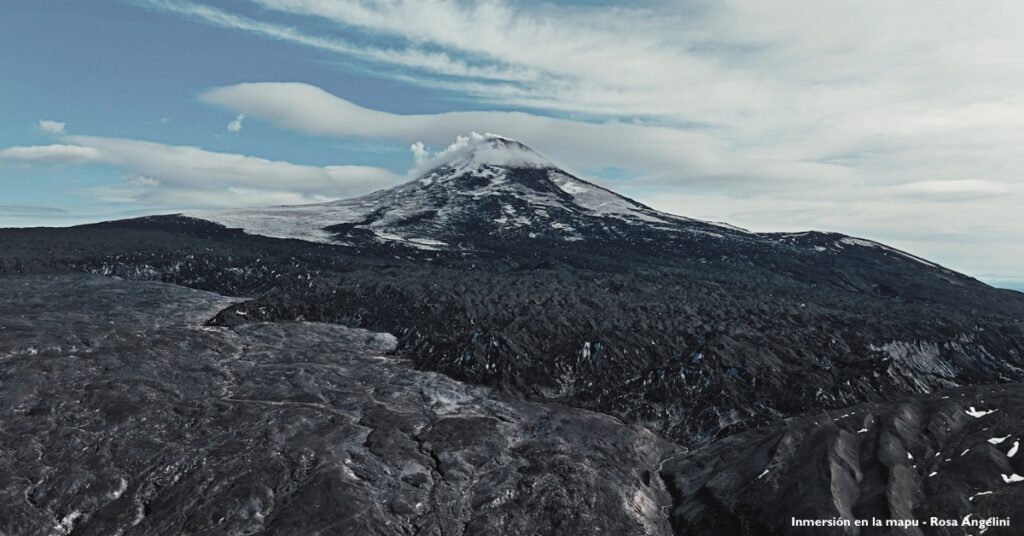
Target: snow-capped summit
column 482, row 188
column 477, row 150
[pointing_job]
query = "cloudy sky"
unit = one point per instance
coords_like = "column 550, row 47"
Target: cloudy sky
column 897, row 121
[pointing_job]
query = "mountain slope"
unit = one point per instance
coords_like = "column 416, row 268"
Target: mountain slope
column 489, row 189
column 496, row 267
column 495, row 195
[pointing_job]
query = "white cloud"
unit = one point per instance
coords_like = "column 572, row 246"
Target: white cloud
column 851, row 83
column 236, row 124
column 52, row 127
column 31, row 210
column 190, row 176
column 618, row 61
column 142, row 180
column 185, row 166
column 580, row 145
column 774, row 67
column 953, row 190
column 844, row 84
column 420, row 153
column 75, row 154
column 412, row 58
column 229, row 197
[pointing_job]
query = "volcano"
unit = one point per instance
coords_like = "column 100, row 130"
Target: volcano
column 486, row 188
column 738, row 379
column 491, row 193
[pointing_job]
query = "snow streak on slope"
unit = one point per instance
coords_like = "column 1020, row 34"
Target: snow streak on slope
column 850, row 241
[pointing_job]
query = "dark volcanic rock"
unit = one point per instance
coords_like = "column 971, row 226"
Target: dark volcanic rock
column 120, row 413
column 500, row 270
column 951, row 455
column 686, row 353
column 692, row 345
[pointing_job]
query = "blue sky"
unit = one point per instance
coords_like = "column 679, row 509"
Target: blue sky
column 897, row 122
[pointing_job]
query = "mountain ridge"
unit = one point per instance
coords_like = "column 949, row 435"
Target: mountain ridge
column 462, row 180
column 486, row 187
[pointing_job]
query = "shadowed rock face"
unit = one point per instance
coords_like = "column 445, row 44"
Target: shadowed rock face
column 952, row 455
column 120, row 413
